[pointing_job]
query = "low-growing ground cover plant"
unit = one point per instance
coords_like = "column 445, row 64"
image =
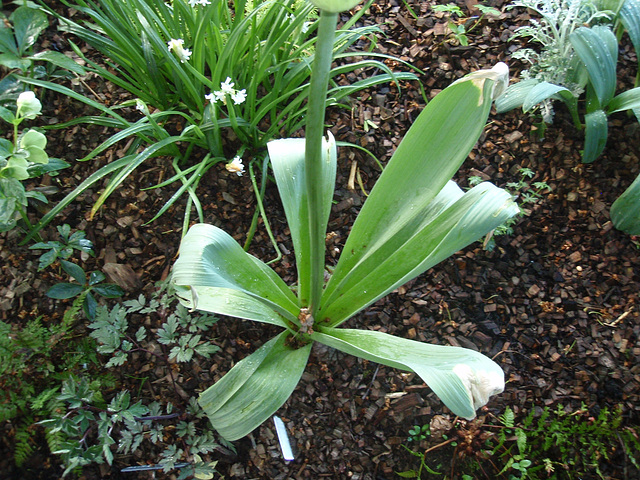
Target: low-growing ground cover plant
column 414, row 218
column 87, row 427
column 461, row 25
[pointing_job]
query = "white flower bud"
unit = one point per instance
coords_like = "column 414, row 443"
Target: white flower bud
column 28, row 105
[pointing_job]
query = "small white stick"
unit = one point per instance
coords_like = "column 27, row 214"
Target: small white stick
column 283, row 438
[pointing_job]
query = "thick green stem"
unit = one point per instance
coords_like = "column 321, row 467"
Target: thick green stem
column 313, row 151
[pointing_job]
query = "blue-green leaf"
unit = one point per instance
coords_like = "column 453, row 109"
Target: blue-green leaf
column 630, row 17
column 595, row 135
column 597, row 47
column 628, row 100
column 515, row 95
column 625, row 211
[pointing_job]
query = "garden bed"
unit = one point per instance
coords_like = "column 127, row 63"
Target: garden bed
column 555, row 303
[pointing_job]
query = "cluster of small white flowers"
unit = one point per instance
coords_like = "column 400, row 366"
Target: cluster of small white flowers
column 235, row 166
column 177, row 46
column 193, row 3
column 226, row 88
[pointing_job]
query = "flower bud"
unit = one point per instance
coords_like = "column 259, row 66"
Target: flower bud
column 335, row 6
column 28, row 105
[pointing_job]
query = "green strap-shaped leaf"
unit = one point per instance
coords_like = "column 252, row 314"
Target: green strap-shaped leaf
column 515, row 95
column 59, row 59
column 210, row 257
column 595, row 135
column 628, row 100
column 625, row 211
column 463, row 379
column 597, row 47
column 545, row 90
column 254, row 388
column 431, row 152
column 287, row 160
column 231, row 302
column 449, row 223
column 630, row 17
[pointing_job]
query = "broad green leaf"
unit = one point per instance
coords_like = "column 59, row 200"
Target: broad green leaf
column 8, row 116
column 37, row 155
column 109, row 290
column 515, row 95
column 231, row 302
column 28, row 23
column 625, row 211
column 255, row 387
column 33, row 138
column 449, row 223
column 628, row 100
column 630, row 17
column 7, row 39
column 210, row 257
column 594, row 47
column 463, row 379
column 63, row 291
column 595, row 135
column 431, row 152
column 74, row 271
column 11, row 61
column 288, row 162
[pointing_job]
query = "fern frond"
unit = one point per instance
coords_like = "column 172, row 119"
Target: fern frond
column 23, row 440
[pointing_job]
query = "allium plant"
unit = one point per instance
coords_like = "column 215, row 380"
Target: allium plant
column 414, row 218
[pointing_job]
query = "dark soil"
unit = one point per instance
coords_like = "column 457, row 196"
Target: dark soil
column 555, row 303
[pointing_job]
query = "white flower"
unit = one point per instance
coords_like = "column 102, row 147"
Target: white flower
column 235, row 166
column 227, row 86
column 239, row 96
column 28, row 105
column 141, row 106
column 193, row 3
column 211, row 97
column 305, row 26
column 176, row 46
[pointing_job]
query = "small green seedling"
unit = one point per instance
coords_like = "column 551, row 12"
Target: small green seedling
column 460, row 27
column 63, row 249
column 84, row 287
column 418, row 433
